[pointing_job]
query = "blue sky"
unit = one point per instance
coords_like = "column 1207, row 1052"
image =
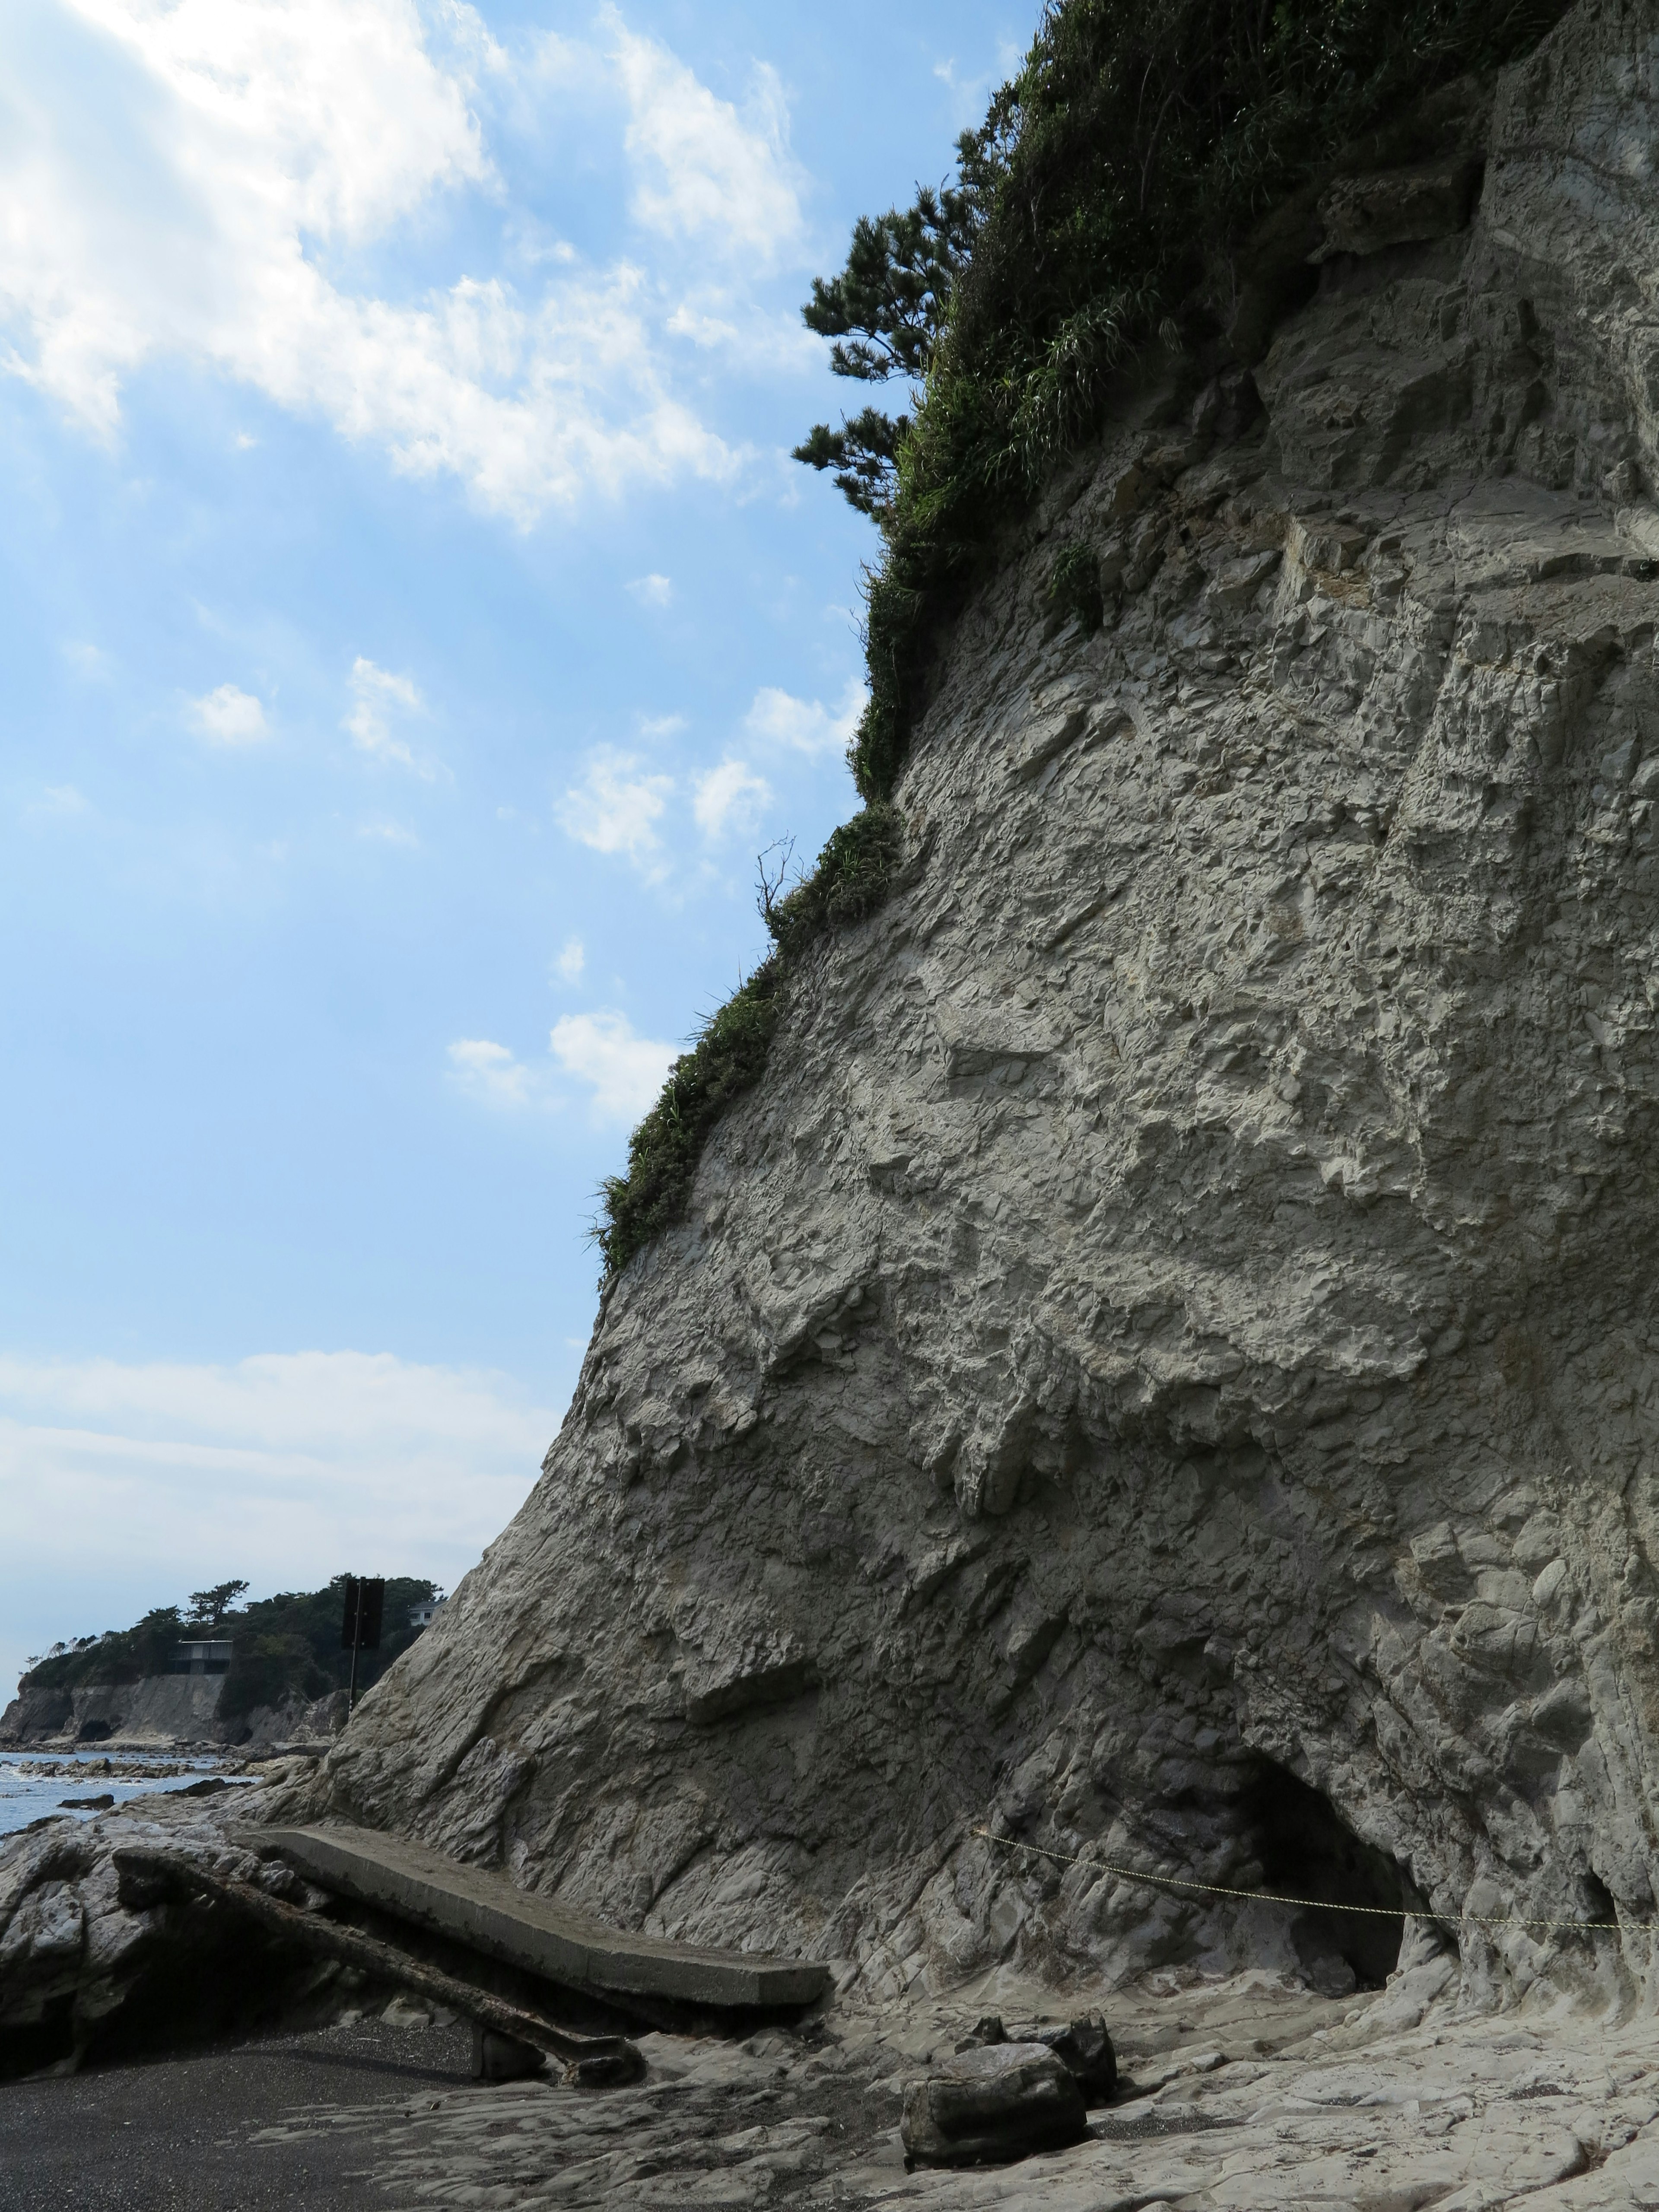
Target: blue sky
column 413, row 626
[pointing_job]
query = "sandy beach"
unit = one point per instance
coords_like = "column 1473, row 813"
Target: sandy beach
column 237, row 2129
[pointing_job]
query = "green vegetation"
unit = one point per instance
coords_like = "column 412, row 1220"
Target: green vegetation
column 854, row 872
column 1109, row 199
column 284, row 1645
column 1074, row 587
column 851, row 879
column 119, row 1655
column 1114, row 196
column 726, row 1060
column 207, row 1608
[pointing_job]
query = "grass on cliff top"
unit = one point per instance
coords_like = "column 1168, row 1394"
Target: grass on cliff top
column 1107, row 199
column 1117, row 184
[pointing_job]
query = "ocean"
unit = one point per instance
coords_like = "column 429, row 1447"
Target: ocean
column 32, row 1783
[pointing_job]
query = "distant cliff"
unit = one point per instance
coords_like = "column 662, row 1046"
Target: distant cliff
column 157, row 1709
column 285, row 1659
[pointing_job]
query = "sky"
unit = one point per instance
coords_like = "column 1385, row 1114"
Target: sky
column 413, row 626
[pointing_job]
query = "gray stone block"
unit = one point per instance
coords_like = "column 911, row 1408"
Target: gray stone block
column 1001, row 2101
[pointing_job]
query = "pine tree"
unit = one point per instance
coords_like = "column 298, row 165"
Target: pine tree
column 886, row 312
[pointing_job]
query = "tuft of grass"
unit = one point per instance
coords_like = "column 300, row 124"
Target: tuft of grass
column 851, row 880
column 1121, row 180
column 726, row 1058
column 853, row 876
column 1074, row 588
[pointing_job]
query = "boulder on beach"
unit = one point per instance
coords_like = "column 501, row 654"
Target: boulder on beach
column 999, row 2101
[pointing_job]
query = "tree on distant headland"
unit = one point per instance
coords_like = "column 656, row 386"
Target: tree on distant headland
column 286, row 1645
column 207, row 1608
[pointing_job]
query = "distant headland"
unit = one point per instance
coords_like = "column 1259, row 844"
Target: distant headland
column 217, row 1670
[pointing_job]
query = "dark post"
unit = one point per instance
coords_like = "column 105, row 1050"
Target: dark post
column 359, row 1631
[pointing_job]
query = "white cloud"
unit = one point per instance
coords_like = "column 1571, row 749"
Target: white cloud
column 490, row 1073
column 661, row 726
column 572, row 958
column 623, row 1072
column 626, row 1072
column 969, row 92
column 390, row 833
column 88, row 660
column 801, row 725
column 57, row 802
column 729, row 797
column 615, row 807
column 143, row 1481
column 377, row 698
column 230, row 717
column 653, row 591
column 246, row 148
column 703, row 169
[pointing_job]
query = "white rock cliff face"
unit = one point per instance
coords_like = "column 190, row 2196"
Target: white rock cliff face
column 1181, row 1309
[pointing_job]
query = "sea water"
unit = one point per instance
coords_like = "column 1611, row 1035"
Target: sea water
column 31, row 1786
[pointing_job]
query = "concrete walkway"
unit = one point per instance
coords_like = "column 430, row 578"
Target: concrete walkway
column 486, row 1911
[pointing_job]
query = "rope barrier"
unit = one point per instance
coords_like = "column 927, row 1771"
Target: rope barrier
column 1317, row 1904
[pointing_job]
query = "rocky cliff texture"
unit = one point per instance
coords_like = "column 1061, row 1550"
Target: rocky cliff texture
column 1165, row 1368
column 159, row 1708
column 163, row 1709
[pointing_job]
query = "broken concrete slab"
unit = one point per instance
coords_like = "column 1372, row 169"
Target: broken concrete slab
column 485, row 1910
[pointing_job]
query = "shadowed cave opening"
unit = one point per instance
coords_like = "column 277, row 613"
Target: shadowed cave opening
column 1307, row 1850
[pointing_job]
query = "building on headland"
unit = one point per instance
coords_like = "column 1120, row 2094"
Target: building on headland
column 209, row 1657
column 423, row 1615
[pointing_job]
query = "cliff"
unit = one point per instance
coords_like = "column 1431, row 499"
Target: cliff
column 159, row 1708
column 1163, row 1370
column 1173, row 1338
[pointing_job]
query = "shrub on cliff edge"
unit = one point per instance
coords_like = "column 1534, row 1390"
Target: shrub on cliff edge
column 851, row 879
column 1109, row 197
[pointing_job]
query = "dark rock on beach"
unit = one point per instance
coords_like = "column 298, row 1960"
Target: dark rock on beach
column 996, row 2102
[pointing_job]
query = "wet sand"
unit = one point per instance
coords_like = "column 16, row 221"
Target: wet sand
column 183, row 2134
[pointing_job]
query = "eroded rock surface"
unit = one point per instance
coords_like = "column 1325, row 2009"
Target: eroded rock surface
column 1180, row 1313
column 87, row 1968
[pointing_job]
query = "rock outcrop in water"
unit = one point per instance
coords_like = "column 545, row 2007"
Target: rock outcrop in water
column 1165, row 1369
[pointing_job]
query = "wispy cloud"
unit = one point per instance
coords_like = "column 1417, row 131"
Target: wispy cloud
column 571, row 961
column 490, row 1073
column 625, row 1071
column 970, row 90
column 57, row 802
column 653, row 591
column 729, row 798
column 704, row 169
column 378, row 700
column 230, row 717
column 779, row 719
column 286, row 1468
column 382, row 832
column 86, row 660
column 617, row 806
